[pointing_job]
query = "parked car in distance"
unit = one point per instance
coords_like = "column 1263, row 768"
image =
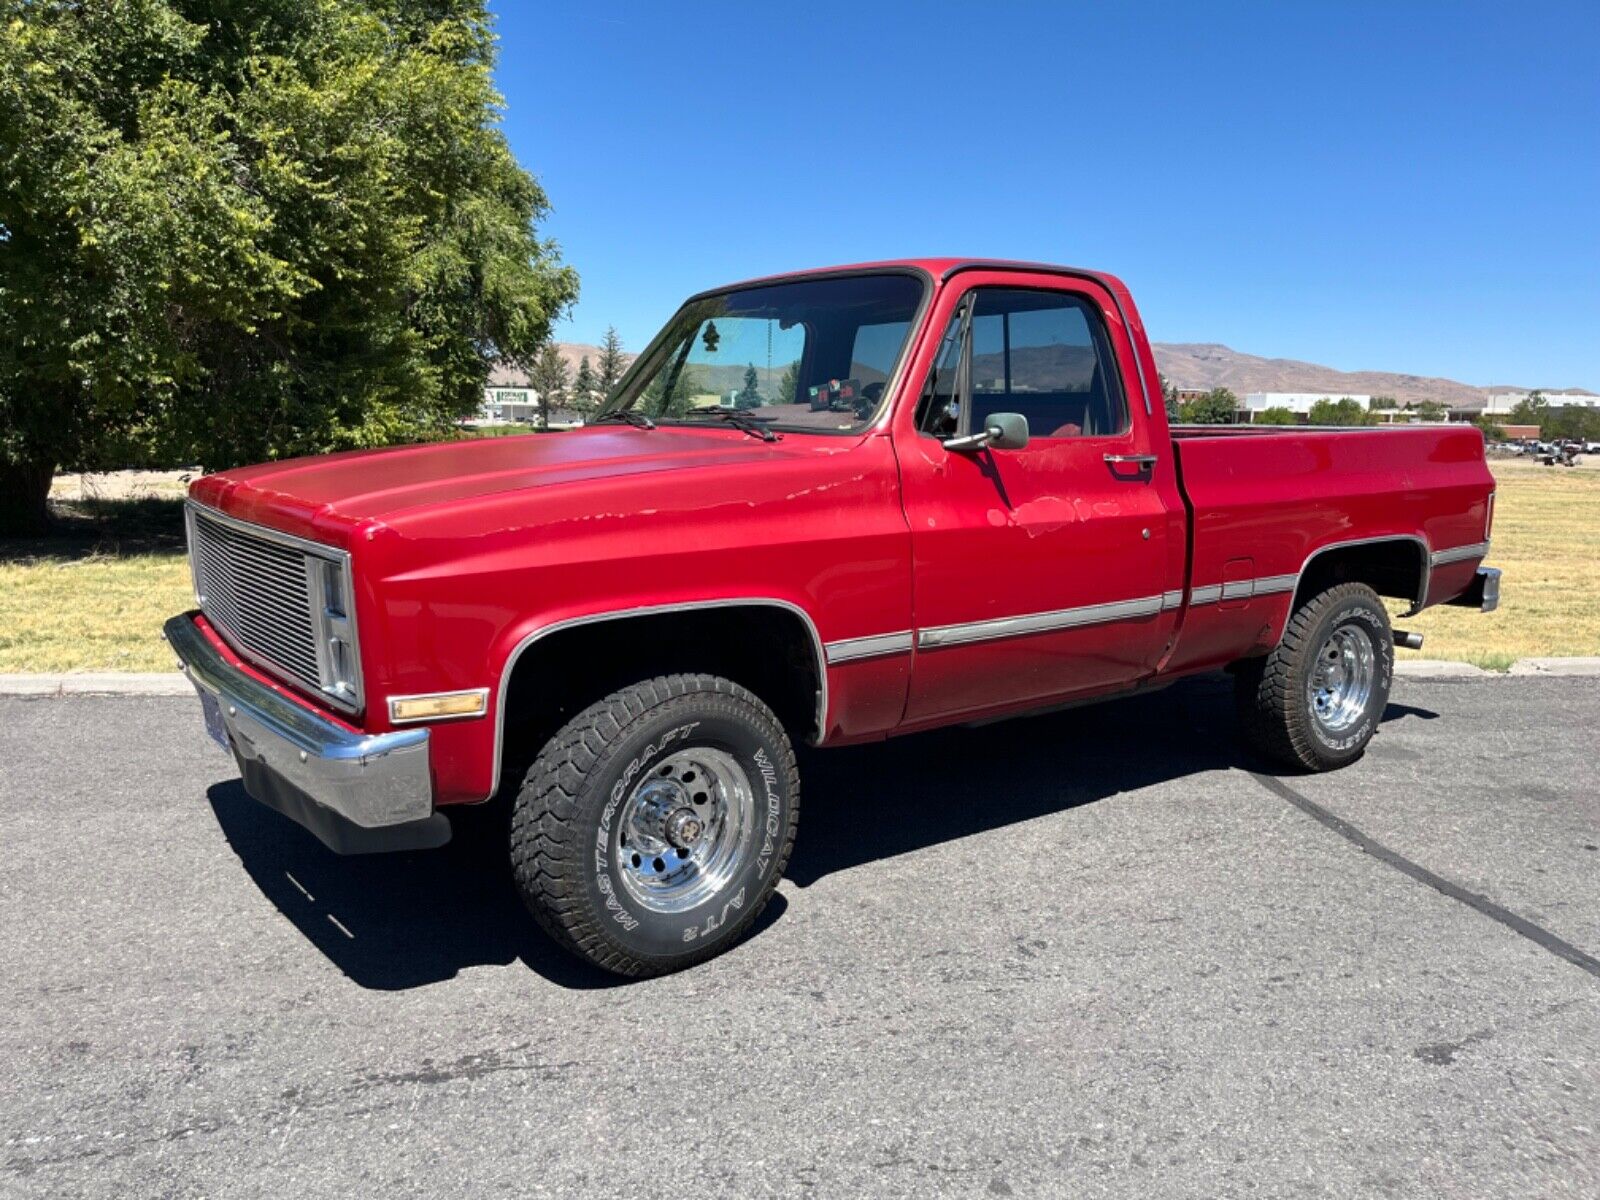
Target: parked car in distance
column 624, row 630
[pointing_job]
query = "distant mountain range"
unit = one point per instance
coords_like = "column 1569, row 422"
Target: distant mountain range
column 1209, row 365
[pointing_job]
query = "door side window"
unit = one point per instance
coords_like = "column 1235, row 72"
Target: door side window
column 1045, row 355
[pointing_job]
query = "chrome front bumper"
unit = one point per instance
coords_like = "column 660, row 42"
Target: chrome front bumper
column 358, row 793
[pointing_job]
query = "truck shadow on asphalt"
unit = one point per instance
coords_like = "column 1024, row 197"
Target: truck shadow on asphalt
column 400, row 921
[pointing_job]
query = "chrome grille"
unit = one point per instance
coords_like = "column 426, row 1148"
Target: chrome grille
column 258, row 592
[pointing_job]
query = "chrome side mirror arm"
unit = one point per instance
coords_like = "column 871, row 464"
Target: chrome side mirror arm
column 1003, row 431
column 972, row 441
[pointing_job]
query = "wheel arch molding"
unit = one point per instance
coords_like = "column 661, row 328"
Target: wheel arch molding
column 768, row 644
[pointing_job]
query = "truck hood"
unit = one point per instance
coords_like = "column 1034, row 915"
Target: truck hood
column 326, row 498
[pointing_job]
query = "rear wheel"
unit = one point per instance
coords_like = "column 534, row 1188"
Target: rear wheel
column 654, row 827
column 1316, row 700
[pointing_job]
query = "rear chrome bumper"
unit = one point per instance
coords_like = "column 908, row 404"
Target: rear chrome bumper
column 1483, row 593
column 358, row 793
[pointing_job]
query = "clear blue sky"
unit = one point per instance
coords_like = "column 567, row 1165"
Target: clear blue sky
column 1392, row 186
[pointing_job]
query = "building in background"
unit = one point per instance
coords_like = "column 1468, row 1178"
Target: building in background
column 509, row 398
column 1503, row 404
column 1299, row 403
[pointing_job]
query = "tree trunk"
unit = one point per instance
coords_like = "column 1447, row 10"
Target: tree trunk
column 24, row 488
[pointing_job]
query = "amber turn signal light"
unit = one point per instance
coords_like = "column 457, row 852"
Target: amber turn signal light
column 439, row 705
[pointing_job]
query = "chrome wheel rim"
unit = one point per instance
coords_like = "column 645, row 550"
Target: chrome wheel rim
column 1341, row 679
column 684, row 831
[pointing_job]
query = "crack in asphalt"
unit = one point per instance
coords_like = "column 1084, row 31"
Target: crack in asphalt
column 1536, row 934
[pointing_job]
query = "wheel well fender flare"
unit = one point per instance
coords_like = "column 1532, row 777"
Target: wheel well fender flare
column 539, row 632
column 1424, row 568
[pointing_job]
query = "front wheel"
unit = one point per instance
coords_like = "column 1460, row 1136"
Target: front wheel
column 1316, row 700
column 654, row 827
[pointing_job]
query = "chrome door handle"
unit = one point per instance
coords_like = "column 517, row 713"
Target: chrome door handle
column 1144, row 460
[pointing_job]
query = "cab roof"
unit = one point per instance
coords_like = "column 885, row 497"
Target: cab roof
column 940, row 269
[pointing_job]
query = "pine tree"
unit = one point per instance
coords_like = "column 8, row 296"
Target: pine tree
column 549, row 378
column 613, row 361
column 749, row 397
column 1169, row 396
column 584, row 388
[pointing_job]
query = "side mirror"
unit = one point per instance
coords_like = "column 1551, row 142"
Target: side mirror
column 1009, row 430
column 1002, row 431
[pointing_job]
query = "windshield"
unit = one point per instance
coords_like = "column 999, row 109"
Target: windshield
column 812, row 355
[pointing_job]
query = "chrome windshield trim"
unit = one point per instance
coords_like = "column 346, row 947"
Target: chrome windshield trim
column 891, row 390
column 876, row 646
column 1045, row 622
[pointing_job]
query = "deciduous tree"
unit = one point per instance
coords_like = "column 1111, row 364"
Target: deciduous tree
column 234, row 230
column 1530, row 410
column 1276, row 415
column 1216, row 407
column 1343, row 411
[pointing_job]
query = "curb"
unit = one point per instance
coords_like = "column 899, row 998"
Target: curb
column 174, row 683
column 1556, row 666
column 1438, row 668
column 98, row 683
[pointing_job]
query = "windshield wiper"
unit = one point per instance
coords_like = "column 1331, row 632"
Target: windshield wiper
column 627, row 416
column 739, row 420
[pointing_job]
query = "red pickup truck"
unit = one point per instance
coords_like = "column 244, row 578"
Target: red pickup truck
column 830, row 506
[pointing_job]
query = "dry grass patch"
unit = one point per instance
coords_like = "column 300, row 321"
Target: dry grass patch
column 1547, row 543
column 93, row 596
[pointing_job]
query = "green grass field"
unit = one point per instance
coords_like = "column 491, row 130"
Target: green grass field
column 92, row 597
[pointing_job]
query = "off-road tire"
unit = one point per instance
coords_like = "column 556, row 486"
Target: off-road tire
column 562, row 853
column 1275, row 715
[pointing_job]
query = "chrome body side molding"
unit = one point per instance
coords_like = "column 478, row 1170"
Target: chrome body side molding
column 1045, row 622
column 1460, row 553
column 876, row 646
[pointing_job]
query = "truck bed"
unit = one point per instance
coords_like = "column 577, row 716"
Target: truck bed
column 1264, row 501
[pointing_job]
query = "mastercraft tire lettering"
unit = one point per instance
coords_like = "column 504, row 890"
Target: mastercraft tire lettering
column 653, row 828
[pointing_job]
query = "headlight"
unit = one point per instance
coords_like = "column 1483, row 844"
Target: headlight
column 338, row 660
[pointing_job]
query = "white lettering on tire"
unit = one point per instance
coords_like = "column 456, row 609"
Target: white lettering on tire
column 602, row 837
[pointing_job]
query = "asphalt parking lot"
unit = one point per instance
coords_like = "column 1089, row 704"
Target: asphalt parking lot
column 1089, row 954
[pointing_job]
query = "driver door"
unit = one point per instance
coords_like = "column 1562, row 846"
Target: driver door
column 1039, row 573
